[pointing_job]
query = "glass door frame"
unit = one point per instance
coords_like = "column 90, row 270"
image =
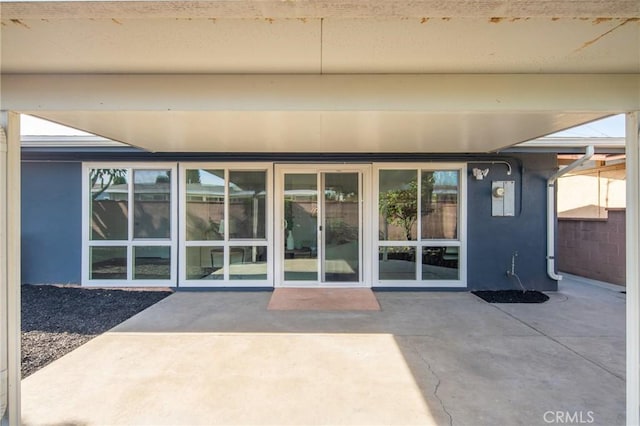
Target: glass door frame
column 365, row 270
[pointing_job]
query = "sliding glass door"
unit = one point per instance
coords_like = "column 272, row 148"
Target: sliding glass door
column 319, row 240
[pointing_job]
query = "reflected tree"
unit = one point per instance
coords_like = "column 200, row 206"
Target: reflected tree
column 400, row 206
column 105, row 178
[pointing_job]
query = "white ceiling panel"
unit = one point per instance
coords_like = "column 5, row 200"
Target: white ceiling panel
column 454, row 45
column 255, row 46
column 160, row 46
column 311, row 131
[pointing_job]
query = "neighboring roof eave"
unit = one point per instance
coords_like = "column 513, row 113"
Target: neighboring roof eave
column 570, row 145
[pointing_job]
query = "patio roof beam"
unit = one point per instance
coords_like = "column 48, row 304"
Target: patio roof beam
column 607, row 93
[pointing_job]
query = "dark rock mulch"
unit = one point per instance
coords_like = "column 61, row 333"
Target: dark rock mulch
column 512, row 296
column 56, row 320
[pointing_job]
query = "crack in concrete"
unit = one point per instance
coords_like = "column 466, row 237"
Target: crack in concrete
column 439, row 381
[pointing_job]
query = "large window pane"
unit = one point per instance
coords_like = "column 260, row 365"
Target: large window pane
column 398, row 204
column 152, row 263
column 109, row 204
column 397, row 263
column 439, row 204
column 248, row 263
column 247, row 205
column 205, row 205
column 301, row 231
column 205, row 263
column 342, row 227
column 108, row 263
column 440, row 263
column 152, row 203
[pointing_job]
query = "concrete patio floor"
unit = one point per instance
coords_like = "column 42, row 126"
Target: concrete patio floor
column 426, row 358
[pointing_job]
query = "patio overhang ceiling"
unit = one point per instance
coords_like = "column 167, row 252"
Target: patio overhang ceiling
column 321, row 76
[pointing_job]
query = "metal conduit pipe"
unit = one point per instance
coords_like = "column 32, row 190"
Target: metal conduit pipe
column 551, row 211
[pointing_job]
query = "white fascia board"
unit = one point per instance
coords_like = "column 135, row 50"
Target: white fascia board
column 607, row 93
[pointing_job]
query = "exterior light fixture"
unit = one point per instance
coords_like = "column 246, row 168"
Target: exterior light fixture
column 480, row 174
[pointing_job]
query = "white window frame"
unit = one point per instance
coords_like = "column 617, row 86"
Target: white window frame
column 418, row 243
column 226, row 243
column 131, row 242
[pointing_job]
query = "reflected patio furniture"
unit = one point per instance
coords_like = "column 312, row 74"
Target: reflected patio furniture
column 236, row 255
column 450, row 257
column 301, row 253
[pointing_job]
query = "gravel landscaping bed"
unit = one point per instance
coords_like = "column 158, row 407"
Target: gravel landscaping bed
column 57, row 319
column 512, row 296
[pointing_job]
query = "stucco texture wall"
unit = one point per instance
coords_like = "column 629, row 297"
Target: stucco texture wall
column 51, row 222
column 493, row 240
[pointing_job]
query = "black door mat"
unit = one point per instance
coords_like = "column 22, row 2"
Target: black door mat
column 512, row 296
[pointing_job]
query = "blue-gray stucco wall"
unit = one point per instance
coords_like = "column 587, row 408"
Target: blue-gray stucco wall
column 51, row 222
column 493, row 240
column 52, row 210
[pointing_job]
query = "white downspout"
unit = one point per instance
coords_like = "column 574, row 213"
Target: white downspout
column 551, row 212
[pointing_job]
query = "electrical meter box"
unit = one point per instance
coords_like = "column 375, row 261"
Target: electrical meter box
column 503, row 198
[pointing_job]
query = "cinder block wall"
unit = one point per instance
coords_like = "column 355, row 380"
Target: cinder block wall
column 593, row 248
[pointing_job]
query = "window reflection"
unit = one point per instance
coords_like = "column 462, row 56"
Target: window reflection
column 245, row 263
column 205, row 205
column 109, row 204
column 108, row 263
column 397, row 263
column 301, row 237
column 398, row 204
column 152, row 203
column 439, row 204
column 205, row 263
column 248, row 263
column 440, row 263
column 153, row 262
column 342, row 227
column 247, row 205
